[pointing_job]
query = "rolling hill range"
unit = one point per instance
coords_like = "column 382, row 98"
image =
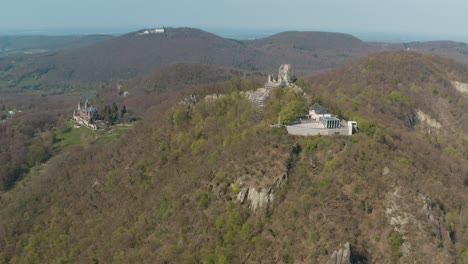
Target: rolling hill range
column 131, row 55
column 309, row 51
column 450, row 49
column 170, row 190
column 40, row 44
column 134, row 55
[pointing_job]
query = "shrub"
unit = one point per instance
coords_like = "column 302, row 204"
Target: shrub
column 396, row 98
column 246, row 231
column 314, row 237
column 236, row 187
column 405, row 162
column 204, row 200
column 396, row 240
column 220, row 221
column 195, row 147
column 464, row 254
column 366, row 126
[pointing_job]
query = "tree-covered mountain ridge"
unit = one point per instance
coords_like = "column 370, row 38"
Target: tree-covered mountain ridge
column 107, row 59
column 167, row 191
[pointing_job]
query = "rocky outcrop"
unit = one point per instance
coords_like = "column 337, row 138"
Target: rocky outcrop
column 257, row 198
column 342, row 255
column 437, row 222
column 461, row 87
column 213, row 97
column 260, row 198
column 399, row 219
column 414, row 226
column 189, row 101
column 427, row 120
column 242, row 195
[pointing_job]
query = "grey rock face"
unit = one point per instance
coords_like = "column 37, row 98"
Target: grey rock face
column 260, row 198
column 437, row 221
column 242, row 196
column 257, row 198
column 342, row 255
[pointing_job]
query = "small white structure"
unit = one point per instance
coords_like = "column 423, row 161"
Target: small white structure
column 352, row 127
column 316, row 111
column 152, row 31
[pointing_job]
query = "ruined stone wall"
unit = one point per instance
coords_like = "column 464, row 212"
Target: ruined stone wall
column 284, row 75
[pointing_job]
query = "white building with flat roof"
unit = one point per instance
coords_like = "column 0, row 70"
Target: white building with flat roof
column 321, row 122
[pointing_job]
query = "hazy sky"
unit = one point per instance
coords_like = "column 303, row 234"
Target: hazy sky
column 377, row 16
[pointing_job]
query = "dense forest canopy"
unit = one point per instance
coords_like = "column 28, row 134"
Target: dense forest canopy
column 167, row 190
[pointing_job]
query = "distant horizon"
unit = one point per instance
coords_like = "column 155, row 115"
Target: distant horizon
column 389, row 21
column 235, row 33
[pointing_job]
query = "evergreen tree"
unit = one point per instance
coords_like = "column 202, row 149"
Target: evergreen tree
column 107, row 114
column 123, row 112
column 114, row 112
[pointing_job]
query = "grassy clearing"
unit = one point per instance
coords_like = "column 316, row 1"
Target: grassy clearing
column 4, row 84
column 109, row 135
column 84, row 136
column 75, row 136
column 28, row 82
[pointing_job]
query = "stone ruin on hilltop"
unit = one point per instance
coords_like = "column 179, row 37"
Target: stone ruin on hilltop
column 284, row 77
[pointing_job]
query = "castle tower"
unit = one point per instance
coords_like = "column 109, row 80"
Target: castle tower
column 284, row 74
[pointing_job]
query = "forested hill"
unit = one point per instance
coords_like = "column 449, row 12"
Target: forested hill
column 137, row 54
column 310, row 51
column 167, row 192
column 134, row 55
column 40, row 44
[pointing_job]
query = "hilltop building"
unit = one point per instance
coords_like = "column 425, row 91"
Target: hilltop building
column 86, row 114
column 284, row 77
column 321, row 122
column 152, row 31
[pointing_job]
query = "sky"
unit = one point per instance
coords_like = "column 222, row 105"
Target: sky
column 404, row 17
